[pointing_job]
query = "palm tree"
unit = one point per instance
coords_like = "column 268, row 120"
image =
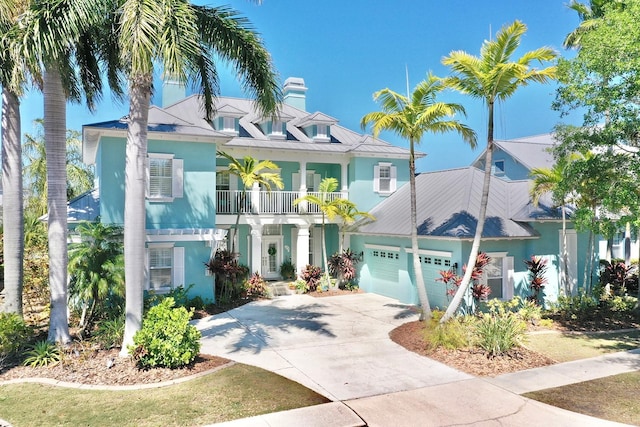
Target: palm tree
column 493, row 77
column 251, row 172
column 411, row 117
column 181, row 38
column 349, row 213
column 11, row 79
column 330, row 208
column 54, row 36
column 96, row 268
column 550, row 180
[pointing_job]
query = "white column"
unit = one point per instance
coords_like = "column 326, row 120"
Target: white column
column 344, row 176
column 302, row 248
column 256, row 248
column 255, row 198
column 303, row 187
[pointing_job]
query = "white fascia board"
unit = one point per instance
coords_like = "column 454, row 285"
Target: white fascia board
column 443, row 254
column 382, row 247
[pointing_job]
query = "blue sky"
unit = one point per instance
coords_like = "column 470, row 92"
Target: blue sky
column 347, row 49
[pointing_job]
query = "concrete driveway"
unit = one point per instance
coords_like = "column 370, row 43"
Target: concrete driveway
column 338, row 346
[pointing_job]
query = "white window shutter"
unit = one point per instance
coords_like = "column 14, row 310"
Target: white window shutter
column 507, row 277
column 295, row 181
column 147, row 274
column 376, row 178
column 316, row 181
column 147, row 193
column 177, row 182
column 394, row 178
column 178, row 266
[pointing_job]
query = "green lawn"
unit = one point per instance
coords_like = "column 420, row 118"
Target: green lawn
column 568, row 347
column 235, row 392
column 612, row 398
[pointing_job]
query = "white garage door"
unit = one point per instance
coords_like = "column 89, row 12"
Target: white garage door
column 431, row 267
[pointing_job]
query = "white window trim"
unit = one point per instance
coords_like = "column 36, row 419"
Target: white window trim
column 393, row 178
column 177, row 266
column 324, row 137
column 177, row 177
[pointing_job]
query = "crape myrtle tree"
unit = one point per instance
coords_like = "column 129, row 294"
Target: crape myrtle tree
column 181, row 40
column 493, row 77
column 411, row 117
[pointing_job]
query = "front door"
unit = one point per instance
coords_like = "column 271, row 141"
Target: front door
column 271, row 256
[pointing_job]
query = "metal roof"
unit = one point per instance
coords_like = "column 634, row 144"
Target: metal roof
column 531, row 151
column 448, row 203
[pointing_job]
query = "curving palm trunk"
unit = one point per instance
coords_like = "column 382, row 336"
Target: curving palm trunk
column 12, row 214
column 55, row 128
column 425, row 313
column 475, row 246
column 134, row 206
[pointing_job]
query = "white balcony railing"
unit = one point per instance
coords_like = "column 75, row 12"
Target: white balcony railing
column 262, row 202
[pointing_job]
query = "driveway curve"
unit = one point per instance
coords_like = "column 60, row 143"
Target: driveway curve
column 338, row 346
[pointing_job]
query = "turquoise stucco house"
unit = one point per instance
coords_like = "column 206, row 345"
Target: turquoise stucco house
column 448, row 202
column 191, row 207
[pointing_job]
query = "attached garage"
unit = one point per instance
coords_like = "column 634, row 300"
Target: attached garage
column 432, row 262
column 384, row 264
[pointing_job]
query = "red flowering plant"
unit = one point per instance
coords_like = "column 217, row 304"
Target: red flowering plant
column 537, row 267
column 480, row 291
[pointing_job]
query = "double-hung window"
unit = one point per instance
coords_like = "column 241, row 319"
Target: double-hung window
column 164, row 179
column 165, row 266
column 384, row 178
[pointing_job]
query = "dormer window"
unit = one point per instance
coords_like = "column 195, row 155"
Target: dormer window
column 228, row 124
column 277, row 129
column 322, row 132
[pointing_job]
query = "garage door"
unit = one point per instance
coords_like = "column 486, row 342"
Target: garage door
column 431, row 267
column 384, row 266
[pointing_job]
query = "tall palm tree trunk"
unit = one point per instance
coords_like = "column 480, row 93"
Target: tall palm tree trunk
column 475, row 247
column 12, row 214
column 55, row 128
column 425, row 313
column 134, row 206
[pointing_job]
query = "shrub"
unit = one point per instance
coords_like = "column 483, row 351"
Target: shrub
column 42, row 353
column 109, row 332
column 255, row 286
column 574, row 307
column 497, row 334
column 480, row 291
column 311, row 275
column 537, row 267
column 620, row 304
column 197, row 303
column 343, row 266
column 229, row 274
column 166, row 338
column 288, row 270
column 454, row 334
column 530, row 311
column 14, row 335
column 301, row 286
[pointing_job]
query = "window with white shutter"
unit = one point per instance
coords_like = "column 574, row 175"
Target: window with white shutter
column 164, row 177
column 165, row 267
column 384, row 178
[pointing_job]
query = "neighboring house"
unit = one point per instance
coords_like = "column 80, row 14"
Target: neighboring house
column 448, row 204
column 191, row 206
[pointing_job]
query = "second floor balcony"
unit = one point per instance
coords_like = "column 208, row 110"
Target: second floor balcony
column 263, row 202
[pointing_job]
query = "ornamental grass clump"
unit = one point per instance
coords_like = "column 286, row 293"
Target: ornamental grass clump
column 166, row 338
column 499, row 330
column 454, row 334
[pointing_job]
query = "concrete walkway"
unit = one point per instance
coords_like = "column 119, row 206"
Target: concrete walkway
column 339, row 347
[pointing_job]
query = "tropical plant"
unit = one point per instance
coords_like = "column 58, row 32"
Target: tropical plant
column 330, row 207
column 42, row 353
column 537, row 267
column 553, row 180
column 109, row 332
column 229, row 275
column 166, row 338
column 411, row 117
column 343, row 266
column 349, row 213
column 288, row 270
column 255, row 286
column 182, row 39
column 500, row 332
column 311, row 275
column 252, row 173
column 479, row 291
column 493, row 77
column 96, row 270
column 79, row 175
